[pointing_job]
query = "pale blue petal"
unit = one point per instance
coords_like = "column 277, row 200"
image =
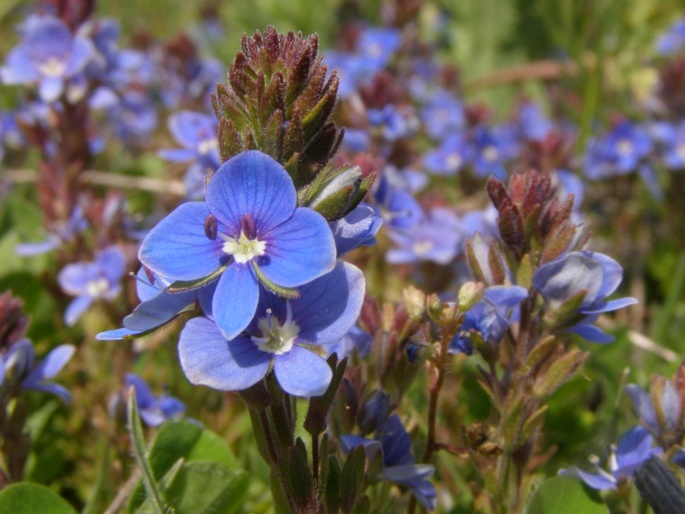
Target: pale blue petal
column 112, row 263
column 50, row 387
column 158, row 311
column 592, row 333
column 53, row 363
column 178, row 249
column 116, row 335
column 596, row 481
column 235, row 300
column 50, row 88
column 349, row 442
column 329, row 306
column 144, row 395
column 302, row 372
column 74, row 278
column 76, row 309
column 255, row 184
column 642, row 403
column 299, row 250
column 612, row 273
column 207, row 358
column 610, row 306
column 177, row 154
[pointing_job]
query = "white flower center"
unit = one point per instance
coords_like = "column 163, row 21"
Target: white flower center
column 53, row 67
column 97, row 287
column 243, row 249
column 490, row 153
column 207, row 145
column 277, row 338
column 624, row 147
column 421, row 248
column 454, row 161
column 680, row 151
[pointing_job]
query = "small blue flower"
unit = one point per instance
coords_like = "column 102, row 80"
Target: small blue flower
column 436, row 238
column 249, row 226
column 393, row 443
column 493, row 148
column 90, row 281
column 490, row 317
column 597, row 274
column 443, row 115
column 532, row 123
column 378, row 45
column 356, row 340
column 667, row 428
column 635, row 447
column 154, row 409
column 19, row 362
column 393, row 123
column 279, row 335
column 453, row 154
column 618, row 152
column 672, row 139
column 396, row 206
column 47, row 56
column 355, row 229
column 673, row 40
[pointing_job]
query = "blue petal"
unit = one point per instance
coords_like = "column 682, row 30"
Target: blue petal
column 302, row 372
column 596, row 481
column 50, row 88
column 116, row 335
column 592, row 333
column 349, row 442
column 53, row 363
column 642, row 403
column 235, row 300
column 152, row 417
column 178, row 249
column 329, row 306
column 559, row 279
column 251, row 183
column 76, row 309
column 610, row 306
column 177, row 154
column 170, row 406
column 158, row 311
column 299, row 250
column 74, row 278
column 144, row 395
column 207, row 358
column 358, row 228
column 112, row 263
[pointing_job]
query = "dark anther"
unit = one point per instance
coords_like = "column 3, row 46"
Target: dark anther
column 247, row 226
column 211, row 226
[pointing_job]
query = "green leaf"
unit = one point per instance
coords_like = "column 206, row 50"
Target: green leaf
column 186, row 440
column 29, row 498
column 565, row 495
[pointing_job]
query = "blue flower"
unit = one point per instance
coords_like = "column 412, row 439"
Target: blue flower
column 355, row 229
column 489, row 318
column 592, row 274
column 90, row 281
column 444, row 115
column 47, row 56
column 154, row 409
column 248, row 230
column 356, row 340
column 393, row 443
column 377, row 45
column 280, row 334
column 397, row 207
column 618, row 152
column 532, row 123
column 450, row 157
column 667, row 427
column 635, row 447
column 493, row 147
column 19, row 362
column 673, row 40
column 393, row 123
column 672, row 137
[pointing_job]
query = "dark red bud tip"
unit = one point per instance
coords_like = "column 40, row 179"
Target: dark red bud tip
column 211, row 227
column 248, row 227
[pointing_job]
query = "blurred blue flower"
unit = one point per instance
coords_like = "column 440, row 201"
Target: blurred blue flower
column 356, row 340
column 592, row 274
column 532, row 122
column 392, row 442
column 436, row 238
column 618, row 152
column 133, row 118
column 451, row 156
column 378, row 45
column 490, row 318
column 280, row 333
column 672, row 141
column 443, row 115
column 393, row 123
column 355, row 229
column 356, row 140
column 396, row 206
column 47, row 56
column 154, row 409
column 668, row 426
column 673, row 40
column 90, row 281
column 19, row 362
column 248, row 230
column 635, row 447
column 493, row 148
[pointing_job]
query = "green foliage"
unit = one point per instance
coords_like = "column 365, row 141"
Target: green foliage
column 565, row 495
column 28, row 498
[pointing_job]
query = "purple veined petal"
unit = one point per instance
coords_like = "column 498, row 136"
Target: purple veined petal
column 303, row 373
column 642, row 403
column 612, row 305
column 632, row 450
column 82, row 51
column 235, row 300
column 561, row 278
column 178, row 249
column 159, row 310
column 612, row 273
column 329, row 306
column 349, row 442
column 596, row 481
column 76, row 309
column 50, row 88
column 207, row 358
column 251, row 183
column 144, row 395
column 592, row 333
column 116, row 335
column 112, row 263
column 177, row 154
column 506, row 297
column 299, row 250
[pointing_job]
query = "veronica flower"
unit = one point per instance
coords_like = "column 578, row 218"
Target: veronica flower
column 393, row 444
column 665, row 419
column 592, row 274
column 154, row 409
column 355, row 229
column 393, row 123
column 635, row 447
column 378, row 45
column 248, row 231
column 673, row 40
column 90, row 281
column 278, row 337
column 532, row 123
column 618, row 152
column 20, row 362
column 47, row 56
column 356, row 340
column 493, row 147
column 443, row 115
column 450, row 157
column 490, row 318
column 672, row 139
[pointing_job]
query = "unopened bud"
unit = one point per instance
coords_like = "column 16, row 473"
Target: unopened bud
column 469, row 295
column 414, row 302
column 434, row 306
